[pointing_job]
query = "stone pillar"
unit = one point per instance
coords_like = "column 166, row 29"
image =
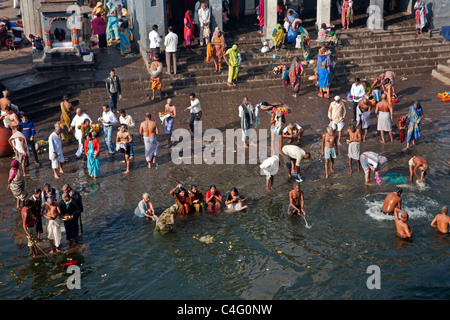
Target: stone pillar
column 375, row 20
column 323, row 12
column 155, row 13
column 270, row 17
column 75, row 39
column 249, row 7
column 47, row 41
column 216, row 14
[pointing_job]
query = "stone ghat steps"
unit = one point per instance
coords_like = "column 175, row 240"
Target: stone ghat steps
column 142, row 91
column 442, row 72
column 253, row 50
column 206, row 74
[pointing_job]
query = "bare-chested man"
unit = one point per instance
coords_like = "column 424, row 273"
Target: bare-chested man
column 170, row 110
column 296, row 201
column 123, row 140
column 403, row 230
column 329, row 149
column 54, row 224
column 12, row 117
column 354, row 144
column 415, row 163
column 392, row 201
column 156, row 76
column 442, row 220
column 376, row 87
column 363, row 111
column 384, row 112
column 5, row 102
column 148, row 130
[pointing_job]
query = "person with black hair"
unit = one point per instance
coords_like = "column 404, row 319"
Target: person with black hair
column 234, row 200
column 195, row 109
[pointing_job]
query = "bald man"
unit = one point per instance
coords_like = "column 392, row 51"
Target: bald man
column 403, row 230
column 442, row 221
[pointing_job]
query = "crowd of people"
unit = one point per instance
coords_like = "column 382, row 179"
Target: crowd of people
column 286, row 137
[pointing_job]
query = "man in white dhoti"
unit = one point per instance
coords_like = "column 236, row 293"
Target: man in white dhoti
column 54, row 223
column 77, row 121
column 384, row 111
column 148, row 130
column 55, row 153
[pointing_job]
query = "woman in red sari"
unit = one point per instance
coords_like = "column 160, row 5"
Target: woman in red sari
column 188, row 30
column 295, row 74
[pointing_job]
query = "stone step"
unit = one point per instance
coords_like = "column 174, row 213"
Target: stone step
column 442, row 73
column 441, row 76
column 372, row 49
column 443, row 68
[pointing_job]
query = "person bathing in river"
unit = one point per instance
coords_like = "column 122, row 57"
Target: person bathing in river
column 296, row 201
column 403, row 230
column 145, row 208
column 213, row 200
column 442, row 220
column 234, row 201
column 196, row 199
column 392, row 201
column 182, row 199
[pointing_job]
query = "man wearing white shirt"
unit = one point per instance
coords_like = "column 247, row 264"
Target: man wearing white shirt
column 357, row 92
column 76, row 123
column 204, row 16
column 127, row 120
column 155, row 41
column 55, row 153
column 171, row 43
column 195, row 109
column 108, row 119
column 336, row 114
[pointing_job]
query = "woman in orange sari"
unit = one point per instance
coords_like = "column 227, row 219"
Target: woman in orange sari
column 218, row 41
column 188, row 30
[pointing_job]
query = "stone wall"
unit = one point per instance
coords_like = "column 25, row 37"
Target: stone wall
column 439, row 13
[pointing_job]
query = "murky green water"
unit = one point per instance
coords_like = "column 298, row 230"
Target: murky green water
column 256, row 254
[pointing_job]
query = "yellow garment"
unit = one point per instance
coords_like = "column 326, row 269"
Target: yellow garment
column 209, row 52
column 279, row 36
column 156, row 85
column 66, row 121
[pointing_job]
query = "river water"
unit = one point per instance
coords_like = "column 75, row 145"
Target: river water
column 259, row 253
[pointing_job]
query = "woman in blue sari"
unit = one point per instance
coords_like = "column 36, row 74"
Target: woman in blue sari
column 325, row 56
column 292, row 31
column 323, row 80
column 415, row 116
column 125, row 36
column 112, row 28
column 92, row 149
